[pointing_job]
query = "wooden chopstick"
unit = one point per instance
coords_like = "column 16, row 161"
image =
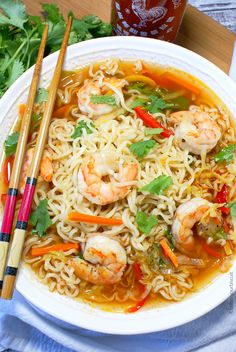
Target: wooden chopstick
column 22, row 221
column 9, row 210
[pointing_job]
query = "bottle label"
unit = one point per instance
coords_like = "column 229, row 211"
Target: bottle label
column 136, row 18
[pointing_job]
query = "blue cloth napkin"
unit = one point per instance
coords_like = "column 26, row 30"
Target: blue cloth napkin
column 23, row 328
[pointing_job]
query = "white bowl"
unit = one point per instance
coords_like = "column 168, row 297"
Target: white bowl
column 80, row 314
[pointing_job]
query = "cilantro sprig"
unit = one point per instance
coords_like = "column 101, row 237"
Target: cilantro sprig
column 145, row 222
column 158, row 185
column 156, row 100
column 20, row 36
column 11, row 143
column 82, row 125
column 232, row 207
column 142, row 148
column 151, row 131
column 226, row 154
column 40, row 219
column 103, row 99
column 42, row 95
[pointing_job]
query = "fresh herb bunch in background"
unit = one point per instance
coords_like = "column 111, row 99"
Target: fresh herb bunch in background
column 20, row 36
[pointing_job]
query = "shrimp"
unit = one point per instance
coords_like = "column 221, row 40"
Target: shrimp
column 104, row 261
column 196, row 131
column 46, row 169
column 92, row 87
column 186, row 216
column 98, row 185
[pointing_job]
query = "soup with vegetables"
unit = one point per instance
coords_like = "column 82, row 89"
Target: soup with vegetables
column 135, row 202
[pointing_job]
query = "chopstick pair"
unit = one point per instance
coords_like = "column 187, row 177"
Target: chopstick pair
column 15, row 252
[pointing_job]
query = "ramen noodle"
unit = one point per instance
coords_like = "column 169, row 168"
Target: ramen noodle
column 135, row 201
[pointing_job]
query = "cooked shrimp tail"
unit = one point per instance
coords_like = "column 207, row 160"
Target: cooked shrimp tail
column 196, row 131
column 104, row 261
column 186, row 216
column 100, row 191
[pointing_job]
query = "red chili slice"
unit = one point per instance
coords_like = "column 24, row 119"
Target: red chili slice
column 151, row 122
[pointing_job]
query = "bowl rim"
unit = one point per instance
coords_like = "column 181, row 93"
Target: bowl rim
column 43, row 299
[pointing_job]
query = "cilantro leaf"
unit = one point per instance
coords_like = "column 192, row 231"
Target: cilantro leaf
column 143, row 88
column 20, row 36
column 158, row 105
column 226, row 154
column 145, row 223
column 181, row 103
column 141, row 149
column 79, row 129
column 138, row 102
column 232, row 207
column 36, row 118
column 151, row 131
column 40, row 218
column 36, row 20
column 158, row 185
column 103, row 99
column 14, row 13
column 55, row 35
column 161, row 263
column 104, row 30
column 42, row 95
column 16, row 71
column 52, row 13
column 219, row 235
column 97, row 28
column 169, row 236
column 81, row 30
column 11, row 143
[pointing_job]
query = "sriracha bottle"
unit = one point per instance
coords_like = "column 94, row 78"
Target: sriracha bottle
column 159, row 19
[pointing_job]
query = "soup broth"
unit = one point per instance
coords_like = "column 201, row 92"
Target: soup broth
column 97, row 115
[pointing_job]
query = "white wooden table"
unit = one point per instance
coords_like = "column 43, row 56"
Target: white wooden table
column 223, row 11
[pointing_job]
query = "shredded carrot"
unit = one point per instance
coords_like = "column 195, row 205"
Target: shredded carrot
column 74, row 216
column 22, row 109
column 227, row 248
column 169, row 252
column 63, row 111
column 35, row 252
column 181, row 82
column 231, row 243
column 209, row 249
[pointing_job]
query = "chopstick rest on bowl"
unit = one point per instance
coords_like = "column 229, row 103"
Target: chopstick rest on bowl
column 9, row 210
column 22, row 221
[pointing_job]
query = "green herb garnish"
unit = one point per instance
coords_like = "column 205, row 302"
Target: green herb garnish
column 161, row 263
column 180, row 103
column 11, row 143
column 20, row 36
column 219, row 235
column 226, row 154
column 141, row 149
column 158, row 105
column 82, row 125
column 158, row 185
column 139, row 102
column 143, row 88
column 145, row 222
column 40, row 218
column 151, row 131
column 103, row 99
column 169, row 237
column 42, row 95
column 232, row 207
